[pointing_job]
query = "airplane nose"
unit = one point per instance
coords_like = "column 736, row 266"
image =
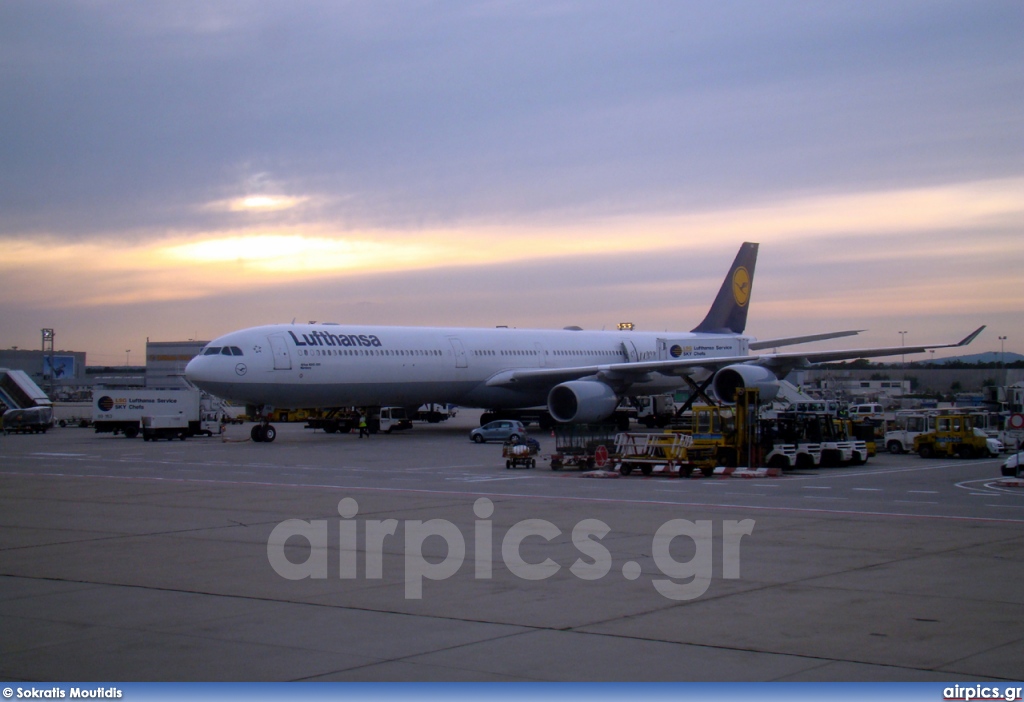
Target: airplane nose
column 213, row 374
column 194, row 370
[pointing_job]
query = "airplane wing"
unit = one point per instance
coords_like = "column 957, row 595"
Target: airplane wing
column 829, row 356
column 791, row 340
column 628, row 373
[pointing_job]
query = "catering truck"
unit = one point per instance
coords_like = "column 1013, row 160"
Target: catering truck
column 120, row 410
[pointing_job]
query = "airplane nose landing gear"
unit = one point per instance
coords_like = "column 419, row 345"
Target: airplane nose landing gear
column 264, row 431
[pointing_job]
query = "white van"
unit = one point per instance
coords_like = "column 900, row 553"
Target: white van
column 868, row 410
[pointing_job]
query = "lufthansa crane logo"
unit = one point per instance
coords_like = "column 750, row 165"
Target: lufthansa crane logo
column 741, row 286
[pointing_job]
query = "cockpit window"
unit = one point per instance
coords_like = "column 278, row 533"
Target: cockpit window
column 226, row 351
column 211, row 351
column 235, row 351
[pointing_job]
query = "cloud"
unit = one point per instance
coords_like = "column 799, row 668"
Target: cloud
column 441, row 113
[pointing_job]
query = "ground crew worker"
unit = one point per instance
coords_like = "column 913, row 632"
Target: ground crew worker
column 363, row 430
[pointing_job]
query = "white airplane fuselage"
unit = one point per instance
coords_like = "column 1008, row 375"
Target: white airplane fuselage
column 328, row 365
column 580, row 376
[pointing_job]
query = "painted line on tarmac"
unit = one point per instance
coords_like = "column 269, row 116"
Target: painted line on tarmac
column 891, row 471
column 989, row 484
column 502, row 495
column 485, row 479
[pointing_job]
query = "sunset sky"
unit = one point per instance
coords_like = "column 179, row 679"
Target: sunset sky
column 177, row 170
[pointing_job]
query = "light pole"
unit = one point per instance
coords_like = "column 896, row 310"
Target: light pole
column 1002, row 364
column 127, row 357
column 903, row 360
column 48, row 351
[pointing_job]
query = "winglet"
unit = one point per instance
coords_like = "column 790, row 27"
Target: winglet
column 728, row 313
column 970, row 337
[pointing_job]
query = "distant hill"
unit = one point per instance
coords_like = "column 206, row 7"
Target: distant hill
column 987, row 357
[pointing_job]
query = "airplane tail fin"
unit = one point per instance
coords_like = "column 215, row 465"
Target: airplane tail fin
column 728, row 313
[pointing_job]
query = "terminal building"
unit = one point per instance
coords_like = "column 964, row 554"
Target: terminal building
column 65, row 376
column 166, row 361
column 985, row 385
column 59, row 373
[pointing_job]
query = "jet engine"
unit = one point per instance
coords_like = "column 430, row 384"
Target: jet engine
column 582, row 401
column 729, row 379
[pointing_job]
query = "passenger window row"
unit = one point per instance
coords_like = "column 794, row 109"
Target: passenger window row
column 514, row 352
column 369, row 352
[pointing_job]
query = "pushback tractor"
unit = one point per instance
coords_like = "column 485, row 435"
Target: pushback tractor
column 955, row 435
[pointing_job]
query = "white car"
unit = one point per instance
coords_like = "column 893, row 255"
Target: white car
column 994, row 446
column 1011, row 466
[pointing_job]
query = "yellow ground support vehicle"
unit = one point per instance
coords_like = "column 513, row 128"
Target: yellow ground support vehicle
column 954, row 435
column 870, row 431
column 725, row 436
column 709, row 426
column 294, row 415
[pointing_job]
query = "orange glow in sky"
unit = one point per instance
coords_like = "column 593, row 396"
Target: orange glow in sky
column 233, row 260
column 894, row 226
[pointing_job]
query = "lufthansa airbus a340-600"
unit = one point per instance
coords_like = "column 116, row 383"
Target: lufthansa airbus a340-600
column 578, row 376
